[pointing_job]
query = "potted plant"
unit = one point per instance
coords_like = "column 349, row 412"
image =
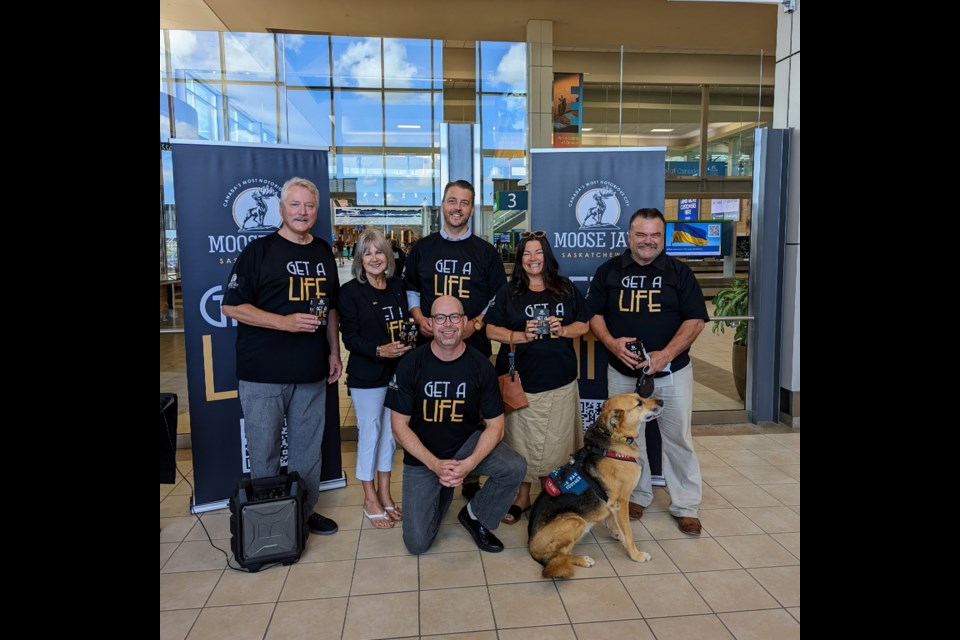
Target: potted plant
column 732, row 301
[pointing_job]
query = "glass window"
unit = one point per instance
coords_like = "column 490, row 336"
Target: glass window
column 163, row 55
column 735, row 113
column 206, row 99
column 503, row 121
column 307, row 60
column 501, row 168
column 359, row 118
column 354, row 165
column 195, row 54
column 503, row 67
column 438, row 64
column 308, row 117
column 252, row 110
column 408, row 122
column 408, row 191
column 406, row 64
column 356, row 62
column 250, row 56
column 370, row 192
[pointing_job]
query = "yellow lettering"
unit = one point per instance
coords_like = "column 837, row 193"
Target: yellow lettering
column 208, row 384
column 443, row 410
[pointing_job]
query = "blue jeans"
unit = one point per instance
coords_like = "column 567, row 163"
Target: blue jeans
column 264, row 408
column 425, row 500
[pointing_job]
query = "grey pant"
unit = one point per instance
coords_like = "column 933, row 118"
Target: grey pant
column 681, row 469
column 264, row 408
column 426, row 501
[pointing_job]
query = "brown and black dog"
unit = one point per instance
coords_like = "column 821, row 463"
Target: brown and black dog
column 606, row 471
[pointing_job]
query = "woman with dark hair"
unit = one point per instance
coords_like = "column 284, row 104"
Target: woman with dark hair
column 540, row 312
column 372, row 308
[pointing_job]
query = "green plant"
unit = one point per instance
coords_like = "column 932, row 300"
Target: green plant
column 732, row 301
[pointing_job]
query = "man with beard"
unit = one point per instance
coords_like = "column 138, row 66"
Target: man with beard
column 447, row 414
column 647, row 295
column 283, row 292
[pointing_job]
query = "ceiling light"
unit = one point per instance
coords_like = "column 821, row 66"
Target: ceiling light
column 588, row 128
column 660, row 130
column 408, row 126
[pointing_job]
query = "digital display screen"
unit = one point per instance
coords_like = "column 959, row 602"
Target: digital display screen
column 693, row 238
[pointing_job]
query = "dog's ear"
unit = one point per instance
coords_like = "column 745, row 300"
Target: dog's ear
column 614, row 418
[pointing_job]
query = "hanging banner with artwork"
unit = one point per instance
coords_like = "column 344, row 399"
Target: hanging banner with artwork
column 567, row 123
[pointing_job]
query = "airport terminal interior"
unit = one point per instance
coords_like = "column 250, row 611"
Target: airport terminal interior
column 376, row 84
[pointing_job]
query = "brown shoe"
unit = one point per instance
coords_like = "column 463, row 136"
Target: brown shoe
column 690, row 526
column 635, row 510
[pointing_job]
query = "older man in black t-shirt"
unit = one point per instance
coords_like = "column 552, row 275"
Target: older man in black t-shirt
column 647, row 295
column 447, row 414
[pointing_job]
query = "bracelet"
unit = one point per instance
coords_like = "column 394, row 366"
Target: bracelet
column 378, row 351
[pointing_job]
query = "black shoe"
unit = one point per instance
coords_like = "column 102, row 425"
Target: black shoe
column 485, row 540
column 320, row 525
column 469, row 489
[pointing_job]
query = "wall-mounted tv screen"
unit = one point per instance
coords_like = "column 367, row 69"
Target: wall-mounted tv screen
column 693, row 238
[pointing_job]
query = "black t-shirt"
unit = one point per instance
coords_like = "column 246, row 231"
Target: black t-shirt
column 547, row 363
column 370, row 317
column 446, row 401
column 649, row 302
column 279, row 276
column 469, row 270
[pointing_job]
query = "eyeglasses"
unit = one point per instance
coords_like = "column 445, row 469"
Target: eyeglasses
column 533, row 234
column 441, row 318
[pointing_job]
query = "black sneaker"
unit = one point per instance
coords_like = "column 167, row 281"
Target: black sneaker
column 320, row 525
column 485, row 540
column 469, row 489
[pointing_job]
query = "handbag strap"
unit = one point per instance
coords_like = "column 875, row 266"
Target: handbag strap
column 511, row 357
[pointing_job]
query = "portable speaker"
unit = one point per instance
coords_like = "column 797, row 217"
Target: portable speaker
column 267, row 521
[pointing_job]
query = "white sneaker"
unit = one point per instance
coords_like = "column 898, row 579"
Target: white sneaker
column 658, row 481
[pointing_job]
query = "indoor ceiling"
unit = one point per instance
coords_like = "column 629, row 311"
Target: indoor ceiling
column 638, row 25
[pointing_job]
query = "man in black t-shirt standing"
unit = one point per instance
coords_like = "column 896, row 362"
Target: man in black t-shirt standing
column 283, row 291
column 647, row 295
column 447, row 414
column 455, row 262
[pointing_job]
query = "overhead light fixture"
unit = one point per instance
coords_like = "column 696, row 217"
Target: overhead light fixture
column 408, row 126
column 660, row 130
column 588, row 128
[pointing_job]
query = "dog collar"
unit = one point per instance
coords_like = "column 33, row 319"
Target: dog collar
column 607, row 453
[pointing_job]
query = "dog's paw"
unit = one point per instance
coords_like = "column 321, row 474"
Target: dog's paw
column 640, row 556
column 588, row 561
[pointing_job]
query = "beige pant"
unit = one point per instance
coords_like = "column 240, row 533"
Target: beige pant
column 548, row 431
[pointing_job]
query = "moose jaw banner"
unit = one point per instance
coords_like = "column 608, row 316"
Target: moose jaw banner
column 228, row 195
column 583, row 198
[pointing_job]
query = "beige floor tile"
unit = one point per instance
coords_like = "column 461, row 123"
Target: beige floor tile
column 175, row 625
column 347, row 518
column 727, row 522
column 698, row 554
column 445, row 570
column 216, row 525
column 765, row 474
column 790, row 541
column 779, row 456
column 553, row 632
column 310, row 580
column 621, row 563
column 469, row 635
column 345, row 497
column 602, row 567
column 665, row 595
column 795, row 612
column 757, row 551
column 782, row 582
column 717, row 443
column 455, row 610
column 792, row 470
column 380, row 543
column 740, row 457
column 197, row 556
column 772, row 624
column 174, row 505
column 726, row 475
column 663, row 526
column 632, row 629
column 308, row 620
column 182, row 488
column 597, row 600
column 188, row 590
column 340, row 546
column 527, row 605
column 239, row 588
column 791, row 440
column 756, row 441
column 166, row 550
column 709, row 459
column 385, row 575
column 690, row 628
column 747, row 496
column 510, row 566
column 452, row 538
column 512, row 535
column 713, row 500
column 775, row 519
column 788, row 494
column 232, row 623
column 176, row 529
column 795, row 508
column 385, row 615
column 734, row 590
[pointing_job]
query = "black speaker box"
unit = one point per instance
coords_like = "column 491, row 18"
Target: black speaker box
column 267, row 521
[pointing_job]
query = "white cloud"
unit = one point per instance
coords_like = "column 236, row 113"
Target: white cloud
column 250, row 53
column 512, row 69
column 191, row 53
column 360, row 63
column 397, row 68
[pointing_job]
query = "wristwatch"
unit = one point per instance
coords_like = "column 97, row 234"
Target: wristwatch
column 477, row 324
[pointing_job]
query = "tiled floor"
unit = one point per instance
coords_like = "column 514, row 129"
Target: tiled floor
column 740, row 579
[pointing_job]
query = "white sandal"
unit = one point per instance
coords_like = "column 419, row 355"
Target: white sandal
column 378, row 516
column 394, row 513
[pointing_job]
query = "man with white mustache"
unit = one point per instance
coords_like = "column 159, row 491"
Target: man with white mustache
column 647, row 295
column 447, row 414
